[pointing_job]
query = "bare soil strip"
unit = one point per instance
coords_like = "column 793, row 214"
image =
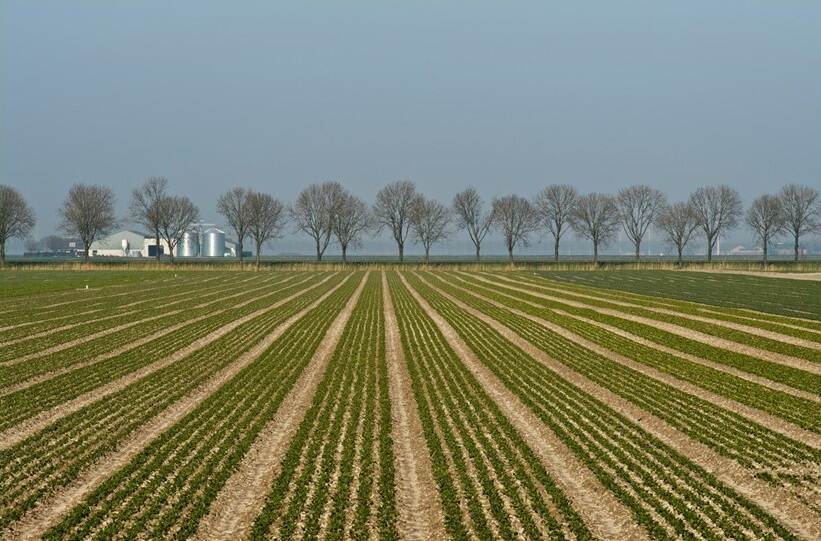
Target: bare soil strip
column 776, row 386
column 786, row 360
column 601, row 511
column 241, row 499
column 49, row 511
column 812, row 276
column 780, row 503
column 144, row 340
column 749, row 329
column 25, row 429
column 762, row 418
column 420, row 510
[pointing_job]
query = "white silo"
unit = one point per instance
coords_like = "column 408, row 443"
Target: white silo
column 214, row 243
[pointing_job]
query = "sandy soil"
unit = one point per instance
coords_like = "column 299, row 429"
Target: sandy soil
column 601, row 511
column 812, row 276
column 46, row 514
column 778, row 502
column 239, row 502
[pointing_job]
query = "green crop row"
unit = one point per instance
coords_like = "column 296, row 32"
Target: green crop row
column 797, row 327
column 477, row 455
column 741, row 337
column 350, row 411
column 541, row 307
column 54, row 457
column 169, row 487
column 668, row 494
column 770, row 295
column 25, row 403
column 768, row 454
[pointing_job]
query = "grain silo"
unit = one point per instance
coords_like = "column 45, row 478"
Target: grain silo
column 213, row 243
column 189, row 245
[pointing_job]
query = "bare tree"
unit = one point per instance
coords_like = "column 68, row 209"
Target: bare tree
column 178, row 214
column 802, row 211
column 352, row 218
column 16, row 218
column 516, row 219
column 678, row 222
column 766, row 218
column 314, row 210
column 392, row 209
column 429, row 221
column 596, row 217
column 717, row 209
column 638, row 206
column 233, row 206
column 88, row 212
column 554, row 206
column 266, row 219
column 470, row 216
column 145, row 206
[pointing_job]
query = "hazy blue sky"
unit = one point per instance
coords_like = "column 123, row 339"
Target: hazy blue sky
column 506, row 96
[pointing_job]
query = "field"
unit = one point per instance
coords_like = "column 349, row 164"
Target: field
column 412, row 404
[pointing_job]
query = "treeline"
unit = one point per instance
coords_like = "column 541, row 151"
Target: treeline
column 327, row 212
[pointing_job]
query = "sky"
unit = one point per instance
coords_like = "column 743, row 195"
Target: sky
column 504, row 96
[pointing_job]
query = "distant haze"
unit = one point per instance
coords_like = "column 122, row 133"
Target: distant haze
column 504, row 96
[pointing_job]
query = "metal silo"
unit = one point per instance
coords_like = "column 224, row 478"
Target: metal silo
column 214, row 243
column 189, row 245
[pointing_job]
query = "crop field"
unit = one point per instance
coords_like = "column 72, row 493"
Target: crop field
column 412, row 404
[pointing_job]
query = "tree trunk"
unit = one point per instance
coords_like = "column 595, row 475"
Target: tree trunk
column 765, row 252
column 556, row 250
column 157, row 239
column 510, row 253
column 796, row 247
column 679, row 248
column 401, row 251
column 709, row 249
column 2, row 254
column 259, row 248
column 477, row 253
column 85, row 251
column 638, row 250
column 344, row 254
column 427, row 255
column 318, row 252
column 595, row 252
column 239, row 248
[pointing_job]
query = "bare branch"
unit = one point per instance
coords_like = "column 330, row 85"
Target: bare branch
column 16, row 218
column 88, row 212
column 233, row 206
column 638, row 206
column 766, row 218
column 266, row 219
column 802, row 211
column 678, row 223
column 429, row 221
column 554, row 206
column 717, row 209
column 516, row 219
column 469, row 215
column 145, row 206
column 392, row 209
column 314, row 210
column 351, row 220
column 596, row 217
column 178, row 214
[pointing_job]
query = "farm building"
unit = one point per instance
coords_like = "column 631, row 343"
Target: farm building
column 210, row 242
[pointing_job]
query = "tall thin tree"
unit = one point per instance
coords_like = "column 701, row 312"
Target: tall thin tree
column 802, row 212
column 266, row 219
column 469, row 215
column 766, row 218
column 429, row 221
column 314, row 212
column 678, row 223
column 638, row 207
column 87, row 212
column 718, row 209
column 596, row 217
column 516, row 219
column 178, row 214
column 16, row 218
column 351, row 220
column 392, row 210
column 145, row 206
column 233, row 206
column 554, row 205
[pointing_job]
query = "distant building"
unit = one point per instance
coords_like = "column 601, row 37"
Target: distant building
column 131, row 243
